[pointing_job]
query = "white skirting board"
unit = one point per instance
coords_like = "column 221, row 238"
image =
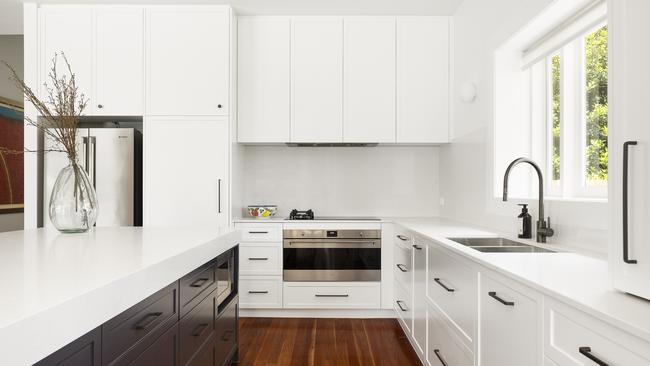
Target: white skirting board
column 317, row 313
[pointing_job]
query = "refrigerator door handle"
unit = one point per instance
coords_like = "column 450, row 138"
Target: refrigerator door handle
column 92, row 169
column 86, row 150
column 219, row 195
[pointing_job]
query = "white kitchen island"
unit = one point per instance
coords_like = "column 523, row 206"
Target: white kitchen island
column 56, row 287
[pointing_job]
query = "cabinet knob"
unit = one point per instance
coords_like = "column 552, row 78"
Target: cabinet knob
column 219, row 106
column 100, row 106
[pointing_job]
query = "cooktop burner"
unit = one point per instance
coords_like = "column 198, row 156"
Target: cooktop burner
column 309, row 215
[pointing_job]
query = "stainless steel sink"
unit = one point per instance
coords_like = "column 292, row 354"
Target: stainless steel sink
column 499, row 245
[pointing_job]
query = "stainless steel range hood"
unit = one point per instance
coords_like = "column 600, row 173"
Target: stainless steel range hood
column 331, row 144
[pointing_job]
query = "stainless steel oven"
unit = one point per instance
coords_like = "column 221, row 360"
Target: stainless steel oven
column 332, row 255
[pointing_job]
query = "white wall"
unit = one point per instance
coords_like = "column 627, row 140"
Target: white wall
column 466, row 165
column 382, row 180
column 11, row 50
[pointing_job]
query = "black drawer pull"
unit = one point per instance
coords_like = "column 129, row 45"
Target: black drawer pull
column 258, row 259
column 402, row 267
column 418, row 247
column 344, row 295
column 200, row 282
column 442, row 360
column 403, row 308
column 626, row 254
column 497, row 298
column 402, row 237
column 147, row 320
column 586, row 351
column 258, row 292
column 226, row 335
column 258, row 232
column 200, row 329
column 449, row 289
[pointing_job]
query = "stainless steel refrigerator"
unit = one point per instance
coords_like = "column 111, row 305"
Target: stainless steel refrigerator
column 112, row 157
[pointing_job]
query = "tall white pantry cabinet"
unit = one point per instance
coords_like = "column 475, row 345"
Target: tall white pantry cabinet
column 629, row 146
column 172, row 65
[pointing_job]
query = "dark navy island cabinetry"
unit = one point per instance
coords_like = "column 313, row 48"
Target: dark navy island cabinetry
column 191, row 322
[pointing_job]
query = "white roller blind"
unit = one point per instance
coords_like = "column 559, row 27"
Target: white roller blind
column 576, row 26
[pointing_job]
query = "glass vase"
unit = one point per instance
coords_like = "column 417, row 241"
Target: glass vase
column 73, row 203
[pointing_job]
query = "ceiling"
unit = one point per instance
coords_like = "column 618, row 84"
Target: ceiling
column 11, row 10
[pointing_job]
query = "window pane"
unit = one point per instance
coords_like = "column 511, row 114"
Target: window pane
column 596, row 107
column 555, row 116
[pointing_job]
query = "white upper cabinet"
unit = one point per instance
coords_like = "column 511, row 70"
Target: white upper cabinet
column 264, row 79
column 118, row 84
column 67, row 29
column 422, row 79
column 187, row 60
column 316, row 79
column 186, row 172
column 369, row 79
column 629, row 129
column 107, row 60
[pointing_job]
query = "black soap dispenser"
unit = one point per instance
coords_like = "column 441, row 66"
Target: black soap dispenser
column 524, row 222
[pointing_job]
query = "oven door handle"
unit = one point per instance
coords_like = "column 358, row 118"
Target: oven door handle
column 334, row 244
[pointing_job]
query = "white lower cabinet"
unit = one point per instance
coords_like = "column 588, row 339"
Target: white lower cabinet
column 419, row 294
column 331, row 295
column 259, row 292
column 509, row 323
column 443, row 346
column 573, row 338
column 403, row 307
column 256, row 259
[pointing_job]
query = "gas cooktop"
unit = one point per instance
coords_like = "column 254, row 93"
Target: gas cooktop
column 296, row 215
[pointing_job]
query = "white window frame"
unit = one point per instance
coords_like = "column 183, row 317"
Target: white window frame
column 573, row 118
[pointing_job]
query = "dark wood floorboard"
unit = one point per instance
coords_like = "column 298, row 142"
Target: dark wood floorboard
column 323, row 342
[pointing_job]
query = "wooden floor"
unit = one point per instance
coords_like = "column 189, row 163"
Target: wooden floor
column 320, row 342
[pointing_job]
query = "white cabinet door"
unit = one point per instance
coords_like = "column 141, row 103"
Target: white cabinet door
column 67, row 29
column 187, row 60
column 419, row 295
column 628, row 98
column 118, row 82
column 264, row 66
column 316, row 79
column 186, row 172
column 369, row 79
column 422, row 79
column 510, row 325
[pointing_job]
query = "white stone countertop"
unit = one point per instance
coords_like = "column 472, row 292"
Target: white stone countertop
column 56, row 287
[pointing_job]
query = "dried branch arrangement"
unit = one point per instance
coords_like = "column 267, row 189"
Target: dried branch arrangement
column 60, row 111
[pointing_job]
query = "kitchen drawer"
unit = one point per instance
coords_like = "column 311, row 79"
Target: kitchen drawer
column 403, row 305
column 195, row 286
column 205, row 356
column 567, row 331
column 196, row 328
column 260, row 259
column 451, row 285
column 260, row 292
column 331, row 295
column 260, row 232
column 226, row 334
column 163, row 352
column 403, row 237
column 403, row 264
column 443, row 346
column 149, row 318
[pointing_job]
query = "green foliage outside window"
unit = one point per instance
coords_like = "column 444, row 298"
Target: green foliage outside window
column 556, row 98
column 596, row 105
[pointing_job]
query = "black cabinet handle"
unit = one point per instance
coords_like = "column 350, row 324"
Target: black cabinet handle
column 200, row 329
column 626, row 148
column 399, row 303
column 100, row 106
column 402, row 238
column 258, row 259
column 200, row 282
column 258, row 232
column 219, row 196
column 442, row 360
column 418, row 247
column 497, row 298
column 586, row 351
column 402, row 267
column 344, row 295
column 147, row 320
column 449, row 289
column 258, row 292
column 226, row 335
